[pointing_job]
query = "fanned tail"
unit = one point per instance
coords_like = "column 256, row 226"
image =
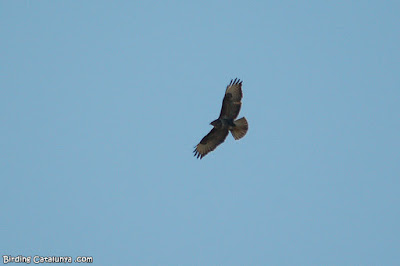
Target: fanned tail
column 240, row 129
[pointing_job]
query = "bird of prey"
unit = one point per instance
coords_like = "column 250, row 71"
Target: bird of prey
column 226, row 121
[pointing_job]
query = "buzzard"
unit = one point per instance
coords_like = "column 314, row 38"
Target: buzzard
column 226, row 121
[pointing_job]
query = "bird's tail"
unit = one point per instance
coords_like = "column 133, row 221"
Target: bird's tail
column 240, row 128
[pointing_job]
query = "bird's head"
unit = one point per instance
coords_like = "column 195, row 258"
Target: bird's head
column 216, row 123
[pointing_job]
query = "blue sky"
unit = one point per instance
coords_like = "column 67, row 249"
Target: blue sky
column 102, row 102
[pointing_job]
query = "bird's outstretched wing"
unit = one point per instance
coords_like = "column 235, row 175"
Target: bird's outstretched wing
column 232, row 100
column 215, row 137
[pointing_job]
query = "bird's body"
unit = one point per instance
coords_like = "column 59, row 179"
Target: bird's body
column 226, row 122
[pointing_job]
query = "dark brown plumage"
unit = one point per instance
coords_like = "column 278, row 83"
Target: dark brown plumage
column 226, row 121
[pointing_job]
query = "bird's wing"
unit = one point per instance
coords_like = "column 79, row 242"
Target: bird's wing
column 232, row 100
column 215, row 137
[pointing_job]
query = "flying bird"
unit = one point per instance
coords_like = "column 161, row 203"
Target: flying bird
column 226, row 121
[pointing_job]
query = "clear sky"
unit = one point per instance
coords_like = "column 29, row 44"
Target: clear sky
column 102, row 102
